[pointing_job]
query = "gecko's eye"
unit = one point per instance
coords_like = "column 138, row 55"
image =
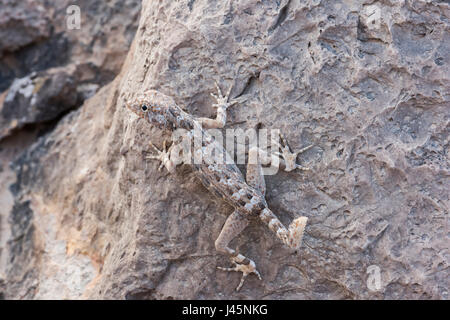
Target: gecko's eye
column 144, row 108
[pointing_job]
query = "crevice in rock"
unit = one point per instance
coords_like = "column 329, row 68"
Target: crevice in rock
column 249, row 84
column 281, row 17
column 34, row 57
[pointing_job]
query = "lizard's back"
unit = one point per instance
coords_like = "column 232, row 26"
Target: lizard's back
column 225, row 180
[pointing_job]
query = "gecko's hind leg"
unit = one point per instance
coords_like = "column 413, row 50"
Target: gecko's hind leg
column 289, row 157
column 234, row 225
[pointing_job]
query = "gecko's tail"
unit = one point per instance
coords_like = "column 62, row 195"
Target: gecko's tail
column 291, row 237
column 296, row 230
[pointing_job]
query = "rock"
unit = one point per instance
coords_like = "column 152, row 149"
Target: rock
column 2, row 285
column 85, row 59
column 22, row 24
column 102, row 42
column 37, row 98
column 366, row 83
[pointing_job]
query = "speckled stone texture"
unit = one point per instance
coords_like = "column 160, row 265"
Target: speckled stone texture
column 365, row 82
column 42, row 59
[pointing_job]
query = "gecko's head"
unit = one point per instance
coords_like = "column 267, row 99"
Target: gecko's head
column 158, row 109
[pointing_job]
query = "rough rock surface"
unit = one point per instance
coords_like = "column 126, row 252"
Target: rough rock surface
column 366, row 82
column 22, row 24
column 35, row 39
column 38, row 98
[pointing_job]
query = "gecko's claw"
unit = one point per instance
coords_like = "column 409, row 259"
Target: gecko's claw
column 218, row 88
column 304, row 149
column 246, row 269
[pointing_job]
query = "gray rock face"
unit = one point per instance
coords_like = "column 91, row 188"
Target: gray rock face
column 38, row 98
column 35, row 37
column 366, row 83
column 21, row 24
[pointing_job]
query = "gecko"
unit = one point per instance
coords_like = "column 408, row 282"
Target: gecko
column 245, row 195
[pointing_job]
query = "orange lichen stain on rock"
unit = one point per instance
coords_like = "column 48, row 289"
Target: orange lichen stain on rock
column 77, row 243
column 84, row 241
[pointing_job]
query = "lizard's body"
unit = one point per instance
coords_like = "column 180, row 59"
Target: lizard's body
column 225, row 180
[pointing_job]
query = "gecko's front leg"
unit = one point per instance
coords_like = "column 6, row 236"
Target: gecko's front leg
column 222, row 105
column 169, row 157
column 289, row 157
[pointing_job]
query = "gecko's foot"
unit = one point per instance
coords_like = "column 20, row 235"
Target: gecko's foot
column 162, row 155
column 290, row 157
column 246, row 269
column 222, row 100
